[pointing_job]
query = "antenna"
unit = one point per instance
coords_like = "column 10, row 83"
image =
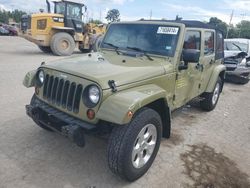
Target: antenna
column 150, row 15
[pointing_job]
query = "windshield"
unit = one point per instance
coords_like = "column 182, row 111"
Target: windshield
column 236, row 46
column 73, row 10
column 149, row 38
column 59, row 7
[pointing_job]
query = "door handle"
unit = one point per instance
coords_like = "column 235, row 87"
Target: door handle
column 199, row 67
column 211, row 62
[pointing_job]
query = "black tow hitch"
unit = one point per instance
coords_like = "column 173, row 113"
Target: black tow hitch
column 74, row 133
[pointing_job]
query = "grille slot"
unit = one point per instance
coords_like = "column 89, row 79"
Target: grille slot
column 62, row 93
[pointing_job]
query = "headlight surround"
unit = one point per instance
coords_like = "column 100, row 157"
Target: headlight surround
column 58, row 19
column 91, row 96
column 40, row 77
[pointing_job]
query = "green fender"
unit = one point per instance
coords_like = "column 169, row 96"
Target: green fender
column 116, row 107
column 213, row 79
column 29, row 79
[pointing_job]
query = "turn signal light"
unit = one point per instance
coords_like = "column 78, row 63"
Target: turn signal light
column 91, row 114
column 37, row 90
column 130, row 114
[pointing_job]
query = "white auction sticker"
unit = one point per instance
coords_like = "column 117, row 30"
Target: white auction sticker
column 168, row 30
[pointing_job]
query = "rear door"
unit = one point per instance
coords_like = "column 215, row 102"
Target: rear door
column 208, row 60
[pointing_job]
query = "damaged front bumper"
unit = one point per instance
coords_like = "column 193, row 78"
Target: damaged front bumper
column 239, row 75
column 58, row 121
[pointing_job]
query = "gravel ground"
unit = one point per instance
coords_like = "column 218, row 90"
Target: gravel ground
column 205, row 150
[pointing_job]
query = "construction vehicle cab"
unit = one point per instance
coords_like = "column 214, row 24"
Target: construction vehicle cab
column 60, row 31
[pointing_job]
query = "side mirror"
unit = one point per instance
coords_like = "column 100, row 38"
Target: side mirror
column 191, row 55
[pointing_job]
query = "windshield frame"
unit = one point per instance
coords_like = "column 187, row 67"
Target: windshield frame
column 151, row 53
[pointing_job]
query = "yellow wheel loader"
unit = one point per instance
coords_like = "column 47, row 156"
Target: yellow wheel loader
column 63, row 30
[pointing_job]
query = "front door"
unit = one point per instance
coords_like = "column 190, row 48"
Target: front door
column 188, row 82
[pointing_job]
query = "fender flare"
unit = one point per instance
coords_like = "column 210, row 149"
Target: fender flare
column 29, row 79
column 219, row 71
column 116, row 107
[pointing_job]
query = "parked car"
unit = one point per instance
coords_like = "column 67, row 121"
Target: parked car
column 142, row 72
column 12, row 30
column 237, row 60
column 3, row 31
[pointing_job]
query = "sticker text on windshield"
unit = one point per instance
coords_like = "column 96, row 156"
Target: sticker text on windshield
column 168, row 30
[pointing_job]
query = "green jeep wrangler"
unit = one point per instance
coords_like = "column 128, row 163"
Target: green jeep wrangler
column 142, row 71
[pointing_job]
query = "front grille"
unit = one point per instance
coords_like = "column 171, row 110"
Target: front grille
column 231, row 68
column 62, row 93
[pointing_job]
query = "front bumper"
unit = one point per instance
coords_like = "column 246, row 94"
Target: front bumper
column 239, row 75
column 58, row 121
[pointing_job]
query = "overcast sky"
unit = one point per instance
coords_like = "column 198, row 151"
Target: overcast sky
column 135, row 9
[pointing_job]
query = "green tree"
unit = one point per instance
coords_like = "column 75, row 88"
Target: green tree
column 244, row 29
column 95, row 21
column 4, row 18
column 113, row 15
column 219, row 24
column 15, row 15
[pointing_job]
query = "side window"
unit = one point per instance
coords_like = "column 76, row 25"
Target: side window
column 209, row 43
column 192, row 40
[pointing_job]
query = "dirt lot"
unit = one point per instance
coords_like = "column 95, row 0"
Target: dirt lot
column 206, row 149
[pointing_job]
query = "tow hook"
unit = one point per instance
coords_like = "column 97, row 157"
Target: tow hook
column 74, row 133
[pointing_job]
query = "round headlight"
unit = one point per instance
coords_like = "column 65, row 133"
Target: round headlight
column 41, row 76
column 94, row 94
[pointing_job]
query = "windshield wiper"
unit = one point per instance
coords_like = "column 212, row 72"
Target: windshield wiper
column 140, row 50
column 237, row 46
column 114, row 46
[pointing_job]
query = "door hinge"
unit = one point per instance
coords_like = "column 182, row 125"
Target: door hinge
column 176, row 77
column 173, row 97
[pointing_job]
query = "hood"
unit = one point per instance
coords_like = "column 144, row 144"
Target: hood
column 102, row 67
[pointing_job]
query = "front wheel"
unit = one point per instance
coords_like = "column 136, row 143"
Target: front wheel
column 132, row 148
column 211, row 99
column 62, row 44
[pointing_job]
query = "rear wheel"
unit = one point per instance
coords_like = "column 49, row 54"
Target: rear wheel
column 45, row 49
column 211, row 99
column 62, row 44
column 132, row 148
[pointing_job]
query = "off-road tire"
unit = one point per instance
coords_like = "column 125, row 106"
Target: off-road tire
column 97, row 43
column 45, row 49
column 122, row 140
column 207, row 103
column 62, row 44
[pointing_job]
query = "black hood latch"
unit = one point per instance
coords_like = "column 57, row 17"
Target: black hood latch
column 112, row 85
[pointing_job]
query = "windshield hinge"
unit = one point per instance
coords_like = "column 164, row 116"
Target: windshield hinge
column 112, row 85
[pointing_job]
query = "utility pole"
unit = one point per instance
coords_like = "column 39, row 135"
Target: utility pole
column 100, row 18
column 242, row 18
column 230, row 22
column 151, row 14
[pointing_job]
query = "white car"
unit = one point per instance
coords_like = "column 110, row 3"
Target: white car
column 236, row 45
